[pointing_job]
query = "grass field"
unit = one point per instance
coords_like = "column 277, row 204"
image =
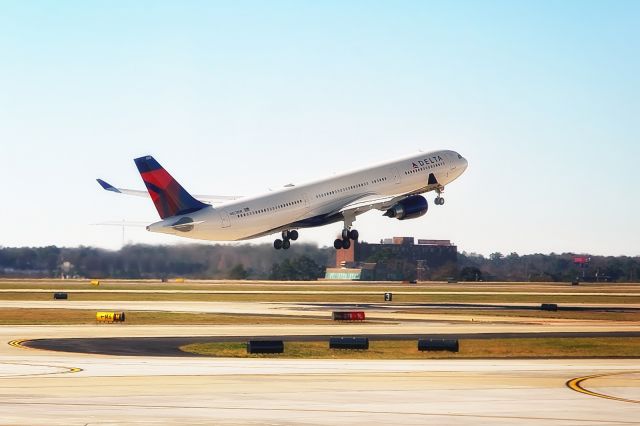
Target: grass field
column 533, row 313
column 624, row 293
column 76, row 316
column 469, row 348
column 328, row 297
column 56, row 284
column 21, row 316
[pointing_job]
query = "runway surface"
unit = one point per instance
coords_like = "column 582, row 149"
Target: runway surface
column 80, row 390
column 56, row 388
column 257, row 307
column 130, row 387
column 324, row 292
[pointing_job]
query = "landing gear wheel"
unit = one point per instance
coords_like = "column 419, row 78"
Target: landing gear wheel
column 346, row 244
column 345, row 234
column 293, row 235
column 277, row 244
column 285, row 235
column 337, row 244
column 286, row 244
column 353, row 235
column 439, row 201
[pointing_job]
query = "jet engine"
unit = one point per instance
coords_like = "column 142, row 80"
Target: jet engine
column 409, row 208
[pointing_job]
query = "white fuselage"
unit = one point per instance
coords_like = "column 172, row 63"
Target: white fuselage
column 297, row 206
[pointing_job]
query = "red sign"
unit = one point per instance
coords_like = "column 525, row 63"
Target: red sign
column 348, row 316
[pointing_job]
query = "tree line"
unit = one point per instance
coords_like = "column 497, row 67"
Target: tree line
column 304, row 262
column 140, row 261
column 547, row 267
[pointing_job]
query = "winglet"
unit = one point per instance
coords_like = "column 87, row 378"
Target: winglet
column 107, row 186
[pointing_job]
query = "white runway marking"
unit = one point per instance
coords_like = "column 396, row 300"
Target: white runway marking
column 246, row 391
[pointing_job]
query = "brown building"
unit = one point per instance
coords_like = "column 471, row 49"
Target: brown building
column 397, row 258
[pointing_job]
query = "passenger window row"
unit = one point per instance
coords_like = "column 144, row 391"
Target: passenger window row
column 348, row 188
column 270, row 209
column 419, row 169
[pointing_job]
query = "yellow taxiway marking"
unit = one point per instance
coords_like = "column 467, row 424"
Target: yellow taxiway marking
column 577, row 385
column 17, row 343
column 62, row 370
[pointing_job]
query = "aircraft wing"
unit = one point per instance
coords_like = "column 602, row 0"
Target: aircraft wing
column 211, row 199
column 371, row 202
column 376, row 202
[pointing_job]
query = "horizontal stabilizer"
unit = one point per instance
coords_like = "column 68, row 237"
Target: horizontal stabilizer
column 131, row 223
column 183, row 225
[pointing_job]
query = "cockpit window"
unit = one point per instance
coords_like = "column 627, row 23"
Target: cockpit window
column 459, row 157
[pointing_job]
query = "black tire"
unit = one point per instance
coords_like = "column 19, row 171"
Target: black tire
column 285, row 235
column 353, row 234
column 293, row 235
column 286, row 244
column 346, row 244
column 277, row 244
column 337, row 244
column 345, row 234
column 442, row 201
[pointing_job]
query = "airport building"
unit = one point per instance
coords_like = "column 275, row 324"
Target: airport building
column 393, row 259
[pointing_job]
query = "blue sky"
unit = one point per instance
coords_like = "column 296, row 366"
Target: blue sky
column 237, row 97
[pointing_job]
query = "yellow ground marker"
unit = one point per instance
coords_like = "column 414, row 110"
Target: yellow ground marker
column 17, row 343
column 577, row 385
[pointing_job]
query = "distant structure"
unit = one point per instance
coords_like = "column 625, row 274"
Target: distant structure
column 583, row 261
column 65, row 269
column 393, row 259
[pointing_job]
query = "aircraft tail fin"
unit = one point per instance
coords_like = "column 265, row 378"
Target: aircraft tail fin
column 169, row 197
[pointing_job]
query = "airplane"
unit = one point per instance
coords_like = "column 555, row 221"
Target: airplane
column 393, row 187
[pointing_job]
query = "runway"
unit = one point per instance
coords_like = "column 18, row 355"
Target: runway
column 121, row 383
column 78, row 389
column 321, row 292
column 56, row 388
column 297, row 307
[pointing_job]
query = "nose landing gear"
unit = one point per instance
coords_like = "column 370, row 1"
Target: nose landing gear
column 439, row 201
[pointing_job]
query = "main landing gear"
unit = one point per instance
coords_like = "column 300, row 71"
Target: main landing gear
column 439, row 199
column 348, row 235
column 285, row 242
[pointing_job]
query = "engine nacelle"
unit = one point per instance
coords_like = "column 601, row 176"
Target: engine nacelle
column 409, row 208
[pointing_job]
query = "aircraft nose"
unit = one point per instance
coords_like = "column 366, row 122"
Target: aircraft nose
column 462, row 162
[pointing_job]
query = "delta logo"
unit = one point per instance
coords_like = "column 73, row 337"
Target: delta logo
column 427, row 161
